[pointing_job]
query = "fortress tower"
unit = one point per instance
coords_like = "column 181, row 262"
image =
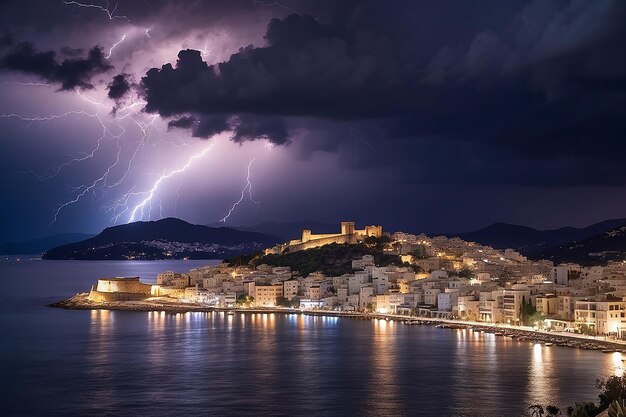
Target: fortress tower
column 347, row 228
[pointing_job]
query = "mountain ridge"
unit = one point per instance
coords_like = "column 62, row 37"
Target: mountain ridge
column 528, row 240
column 168, row 238
column 595, row 250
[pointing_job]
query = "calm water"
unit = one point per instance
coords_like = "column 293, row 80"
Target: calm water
column 57, row 362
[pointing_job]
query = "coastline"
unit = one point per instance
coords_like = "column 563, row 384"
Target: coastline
column 562, row 339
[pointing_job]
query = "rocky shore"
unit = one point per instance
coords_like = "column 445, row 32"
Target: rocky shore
column 81, row 302
column 555, row 339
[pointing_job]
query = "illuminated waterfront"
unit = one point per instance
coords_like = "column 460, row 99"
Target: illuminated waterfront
column 113, row 362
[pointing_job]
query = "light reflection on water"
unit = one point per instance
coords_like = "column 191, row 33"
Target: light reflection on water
column 459, row 370
column 58, row 362
column 317, row 366
column 382, row 396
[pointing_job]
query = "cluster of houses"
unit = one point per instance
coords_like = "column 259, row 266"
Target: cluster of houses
column 455, row 279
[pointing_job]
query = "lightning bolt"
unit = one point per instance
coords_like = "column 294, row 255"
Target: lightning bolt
column 126, row 151
column 247, row 188
column 124, row 113
column 115, row 45
column 53, row 172
column 275, row 4
column 86, row 189
column 139, row 208
column 110, row 13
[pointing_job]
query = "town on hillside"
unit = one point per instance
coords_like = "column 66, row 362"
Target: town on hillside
column 430, row 277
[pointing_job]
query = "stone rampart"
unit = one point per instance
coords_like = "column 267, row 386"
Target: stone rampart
column 100, row 297
column 130, row 285
column 340, row 239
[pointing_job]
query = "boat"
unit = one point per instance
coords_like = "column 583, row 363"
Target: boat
column 548, row 343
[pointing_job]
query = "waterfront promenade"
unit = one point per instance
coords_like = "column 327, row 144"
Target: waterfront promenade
column 568, row 339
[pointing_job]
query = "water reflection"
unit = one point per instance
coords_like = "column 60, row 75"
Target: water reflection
column 616, row 358
column 100, row 342
column 382, row 397
column 469, row 370
column 542, row 386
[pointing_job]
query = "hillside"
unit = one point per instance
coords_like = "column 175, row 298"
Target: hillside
column 41, row 245
column 530, row 241
column 332, row 260
column 596, row 250
column 164, row 239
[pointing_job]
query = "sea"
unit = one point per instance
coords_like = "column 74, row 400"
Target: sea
column 56, row 362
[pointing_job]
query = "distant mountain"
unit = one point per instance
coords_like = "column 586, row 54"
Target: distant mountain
column 288, row 230
column 530, row 241
column 41, row 245
column 596, row 250
column 164, row 239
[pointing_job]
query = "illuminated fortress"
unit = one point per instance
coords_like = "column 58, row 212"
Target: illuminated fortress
column 119, row 289
column 309, row 240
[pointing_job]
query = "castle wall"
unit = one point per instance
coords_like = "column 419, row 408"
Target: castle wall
column 309, row 240
column 318, row 236
column 107, row 297
column 123, row 285
column 340, row 239
column 376, row 231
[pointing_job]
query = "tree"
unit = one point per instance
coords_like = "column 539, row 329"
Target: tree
column 466, row 273
column 283, row 302
column 536, row 410
column 585, row 329
column 526, row 311
column 370, row 240
column 552, row 410
column 419, row 253
column 613, row 389
column 587, row 409
column 244, row 299
column 536, row 318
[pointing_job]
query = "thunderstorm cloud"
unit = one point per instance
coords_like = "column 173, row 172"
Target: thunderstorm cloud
column 519, row 97
column 69, row 73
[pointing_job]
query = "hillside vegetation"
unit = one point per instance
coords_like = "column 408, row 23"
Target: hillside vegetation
column 331, row 260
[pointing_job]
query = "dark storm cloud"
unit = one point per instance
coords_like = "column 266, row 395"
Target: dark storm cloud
column 69, row 73
column 202, row 127
column 119, row 87
column 186, row 122
column 250, row 127
column 303, row 74
column 211, row 124
column 66, row 50
column 531, row 83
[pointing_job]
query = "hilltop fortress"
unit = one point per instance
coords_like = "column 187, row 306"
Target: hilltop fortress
column 309, row 240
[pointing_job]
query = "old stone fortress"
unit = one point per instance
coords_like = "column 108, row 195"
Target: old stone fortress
column 309, row 240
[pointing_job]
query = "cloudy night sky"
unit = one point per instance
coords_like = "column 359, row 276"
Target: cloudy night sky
column 433, row 116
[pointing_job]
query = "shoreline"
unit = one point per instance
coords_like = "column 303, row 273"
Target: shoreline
column 562, row 339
